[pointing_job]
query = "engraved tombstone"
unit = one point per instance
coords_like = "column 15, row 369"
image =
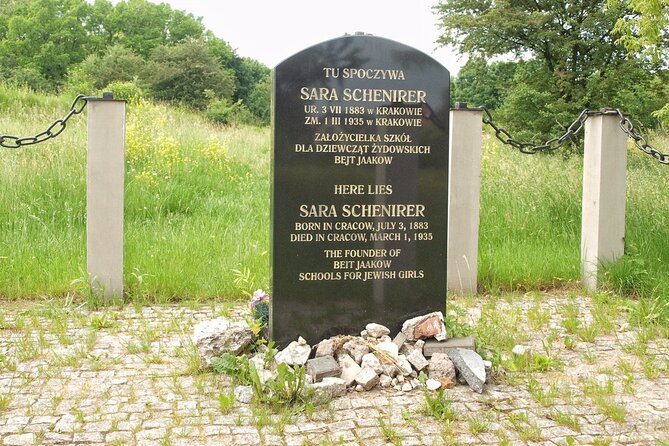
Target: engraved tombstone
column 359, row 193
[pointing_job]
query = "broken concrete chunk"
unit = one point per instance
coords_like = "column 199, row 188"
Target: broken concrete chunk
column 432, row 384
column 471, row 367
column 427, row 326
column 325, row 348
column 349, row 369
column 372, row 361
column 218, row 336
column 296, row 353
column 376, row 330
column 328, row 389
column 385, row 380
column 417, row 359
column 388, row 348
column 433, row 346
column 399, row 340
column 243, row 394
column 405, row 365
column 323, row 367
column 367, row 378
column 356, row 350
column 441, row 366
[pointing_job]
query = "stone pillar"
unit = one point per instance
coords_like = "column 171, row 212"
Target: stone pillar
column 464, row 190
column 604, row 185
column 104, row 195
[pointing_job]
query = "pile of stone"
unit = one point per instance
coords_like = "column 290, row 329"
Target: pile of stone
column 361, row 363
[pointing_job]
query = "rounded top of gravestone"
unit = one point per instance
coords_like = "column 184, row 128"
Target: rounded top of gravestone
column 352, row 49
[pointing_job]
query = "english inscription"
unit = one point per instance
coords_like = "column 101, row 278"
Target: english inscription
column 359, row 194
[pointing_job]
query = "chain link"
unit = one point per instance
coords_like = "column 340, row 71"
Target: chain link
column 575, row 127
column 639, row 141
column 530, row 148
column 55, row 129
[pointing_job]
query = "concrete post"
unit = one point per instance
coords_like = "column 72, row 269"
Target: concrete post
column 464, row 190
column 604, row 184
column 104, row 196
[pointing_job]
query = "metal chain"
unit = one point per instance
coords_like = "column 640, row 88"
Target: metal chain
column 55, row 129
column 530, row 148
column 639, row 141
column 575, row 127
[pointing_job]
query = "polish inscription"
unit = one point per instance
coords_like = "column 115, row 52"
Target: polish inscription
column 359, row 193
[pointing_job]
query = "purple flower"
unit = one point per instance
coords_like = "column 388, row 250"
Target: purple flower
column 258, row 296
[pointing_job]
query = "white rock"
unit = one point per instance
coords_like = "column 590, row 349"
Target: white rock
column 385, row 380
column 356, row 350
column 359, row 388
column 520, row 350
column 417, row 359
column 415, row 383
column 389, row 348
column 258, row 361
column 367, row 378
column 325, row 348
column 390, row 369
column 218, row 336
column 405, row 365
column 301, row 341
column 441, row 366
column 328, row 389
column 406, row 387
column 397, row 387
column 370, row 360
column 244, row 394
column 376, row 330
column 349, row 369
column 295, row 354
column 432, row 384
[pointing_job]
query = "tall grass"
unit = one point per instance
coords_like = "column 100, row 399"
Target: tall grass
column 197, row 210
column 196, row 203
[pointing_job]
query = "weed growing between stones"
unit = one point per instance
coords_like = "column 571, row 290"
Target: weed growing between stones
column 390, row 434
column 527, row 430
column 286, row 388
column 568, row 420
column 437, row 403
column 478, row 425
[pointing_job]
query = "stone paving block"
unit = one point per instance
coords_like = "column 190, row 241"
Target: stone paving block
column 323, row 367
column 19, row 439
column 433, row 346
column 54, row 438
column 88, row 437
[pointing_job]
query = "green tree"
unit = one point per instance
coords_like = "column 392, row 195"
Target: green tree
column 143, row 26
column 478, row 83
column 188, row 73
column 574, row 60
column 646, row 29
column 117, row 64
column 259, row 98
column 43, row 38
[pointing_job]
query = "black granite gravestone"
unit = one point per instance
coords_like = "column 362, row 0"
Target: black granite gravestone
column 359, row 198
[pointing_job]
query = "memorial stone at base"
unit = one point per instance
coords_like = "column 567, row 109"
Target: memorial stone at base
column 359, row 193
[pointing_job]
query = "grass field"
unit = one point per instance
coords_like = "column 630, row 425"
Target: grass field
column 197, row 211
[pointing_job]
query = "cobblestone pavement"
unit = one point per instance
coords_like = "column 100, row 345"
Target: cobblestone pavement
column 126, row 376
